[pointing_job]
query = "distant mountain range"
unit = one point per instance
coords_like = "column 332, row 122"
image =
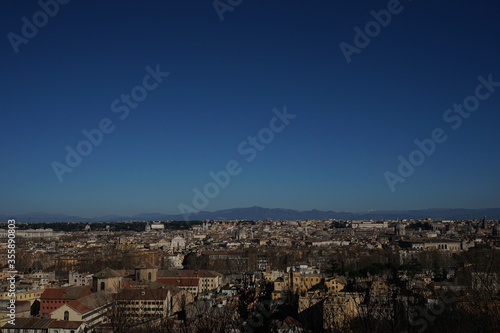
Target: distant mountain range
column 259, row 213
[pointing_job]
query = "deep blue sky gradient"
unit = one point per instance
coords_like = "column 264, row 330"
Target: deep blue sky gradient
column 353, row 120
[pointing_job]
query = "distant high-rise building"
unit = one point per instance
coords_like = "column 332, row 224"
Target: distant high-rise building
column 484, row 223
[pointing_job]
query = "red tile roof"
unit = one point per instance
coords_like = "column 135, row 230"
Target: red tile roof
column 187, row 273
column 180, row 282
column 90, row 302
column 43, row 323
column 66, row 324
column 65, row 293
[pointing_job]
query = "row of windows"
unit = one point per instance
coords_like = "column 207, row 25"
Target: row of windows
column 306, row 279
column 50, row 307
column 135, row 309
column 156, row 302
column 21, row 296
column 135, row 314
column 149, row 309
column 141, row 302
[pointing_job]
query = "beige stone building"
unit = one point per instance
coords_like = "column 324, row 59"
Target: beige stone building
column 106, row 280
column 300, row 282
column 205, row 280
column 335, row 284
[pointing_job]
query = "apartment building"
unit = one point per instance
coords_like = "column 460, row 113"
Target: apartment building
column 53, row 298
column 205, row 280
column 90, row 309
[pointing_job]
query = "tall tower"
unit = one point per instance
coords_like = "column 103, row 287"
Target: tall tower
column 146, row 272
column 399, row 229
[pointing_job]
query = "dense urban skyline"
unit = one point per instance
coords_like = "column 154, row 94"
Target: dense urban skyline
column 208, row 79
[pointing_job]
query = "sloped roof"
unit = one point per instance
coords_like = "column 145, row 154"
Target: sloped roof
column 187, row 273
column 181, row 282
column 150, row 284
column 66, row 324
column 338, row 279
column 33, row 323
column 90, row 302
column 65, row 293
column 107, row 273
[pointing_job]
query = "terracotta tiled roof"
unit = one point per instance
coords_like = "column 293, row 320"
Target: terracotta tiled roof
column 66, row 324
column 187, row 273
column 33, row 323
column 143, row 294
column 89, row 302
column 180, row 282
column 65, row 293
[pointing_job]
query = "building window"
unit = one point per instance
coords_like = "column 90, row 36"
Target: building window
column 66, row 315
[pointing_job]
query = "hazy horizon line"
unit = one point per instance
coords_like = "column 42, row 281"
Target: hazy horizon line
column 248, row 207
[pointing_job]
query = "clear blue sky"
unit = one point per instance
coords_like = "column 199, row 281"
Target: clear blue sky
column 353, row 120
